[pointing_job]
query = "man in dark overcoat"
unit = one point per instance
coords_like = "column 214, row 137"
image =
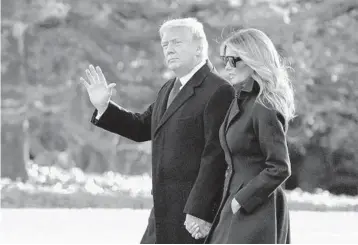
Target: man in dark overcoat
column 188, row 164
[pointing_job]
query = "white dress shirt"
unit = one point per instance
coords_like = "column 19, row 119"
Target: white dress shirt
column 184, row 80
column 188, row 76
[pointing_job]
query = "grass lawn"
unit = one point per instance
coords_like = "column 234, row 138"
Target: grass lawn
column 113, row 226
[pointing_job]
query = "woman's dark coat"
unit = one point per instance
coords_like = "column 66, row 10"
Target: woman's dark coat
column 254, row 141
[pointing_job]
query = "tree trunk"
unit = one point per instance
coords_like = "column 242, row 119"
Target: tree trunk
column 14, row 107
column 13, row 151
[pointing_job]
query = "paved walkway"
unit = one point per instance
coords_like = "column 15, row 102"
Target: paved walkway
column 101, row 226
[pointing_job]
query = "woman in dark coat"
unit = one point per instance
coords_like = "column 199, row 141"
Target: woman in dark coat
column 253, row 136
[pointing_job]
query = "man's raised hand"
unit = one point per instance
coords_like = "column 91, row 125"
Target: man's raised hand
column 98, row 90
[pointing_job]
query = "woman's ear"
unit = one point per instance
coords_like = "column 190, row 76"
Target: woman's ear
column 222, row 49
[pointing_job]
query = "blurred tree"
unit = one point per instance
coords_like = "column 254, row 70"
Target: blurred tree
column 61, row 37
column 14, row 126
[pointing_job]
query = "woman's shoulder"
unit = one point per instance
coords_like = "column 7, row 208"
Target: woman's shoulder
column 266, row 112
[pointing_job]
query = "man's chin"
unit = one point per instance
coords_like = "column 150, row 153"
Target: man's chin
column 173, row 66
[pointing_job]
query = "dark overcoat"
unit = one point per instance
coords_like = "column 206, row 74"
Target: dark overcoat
column 253, row 137
column 188, row 164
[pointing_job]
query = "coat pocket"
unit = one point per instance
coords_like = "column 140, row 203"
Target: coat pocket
column 186, row 118
column 232, row 196
column 235, row 187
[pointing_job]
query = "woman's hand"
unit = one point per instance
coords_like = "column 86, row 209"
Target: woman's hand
column 235, row 206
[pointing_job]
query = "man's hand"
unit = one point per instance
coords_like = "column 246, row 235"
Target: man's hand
column 198, row 228
column 235, row 206
column 98, row 90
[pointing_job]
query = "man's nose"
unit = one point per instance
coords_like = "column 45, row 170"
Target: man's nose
column 169, row 52
column 170, row 49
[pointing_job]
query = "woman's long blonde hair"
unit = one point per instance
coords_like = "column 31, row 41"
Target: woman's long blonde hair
column 257, row 51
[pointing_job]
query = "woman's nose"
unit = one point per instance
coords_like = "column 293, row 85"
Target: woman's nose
column 228, row 67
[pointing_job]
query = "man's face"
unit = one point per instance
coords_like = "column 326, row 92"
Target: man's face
column 179, row 49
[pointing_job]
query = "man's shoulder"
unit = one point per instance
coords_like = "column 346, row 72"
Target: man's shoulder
column 166, row 84
column 214, row 82
column 215, row 76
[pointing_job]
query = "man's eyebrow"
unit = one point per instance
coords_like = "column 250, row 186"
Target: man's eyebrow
column 170, row 40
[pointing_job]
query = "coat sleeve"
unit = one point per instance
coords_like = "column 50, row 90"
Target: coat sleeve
column 269, row 127
column 134, row 126
column 206, row 193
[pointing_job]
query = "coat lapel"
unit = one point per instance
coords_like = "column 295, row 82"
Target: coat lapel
column 222, row 130
column 162, row 105
column 233, row 114
column 185, row 94
column 239, row 100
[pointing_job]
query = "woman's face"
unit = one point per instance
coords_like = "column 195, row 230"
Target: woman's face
column 239, row 73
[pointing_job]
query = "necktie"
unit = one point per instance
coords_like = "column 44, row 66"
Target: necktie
column 173, row 93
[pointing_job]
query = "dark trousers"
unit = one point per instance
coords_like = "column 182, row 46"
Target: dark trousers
column 149, row 234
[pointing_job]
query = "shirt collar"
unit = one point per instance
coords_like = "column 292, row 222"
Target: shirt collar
column 187, row 77
column 249, row 86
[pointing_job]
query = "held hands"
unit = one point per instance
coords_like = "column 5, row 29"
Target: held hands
column 198, row 228
column 97, row 88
